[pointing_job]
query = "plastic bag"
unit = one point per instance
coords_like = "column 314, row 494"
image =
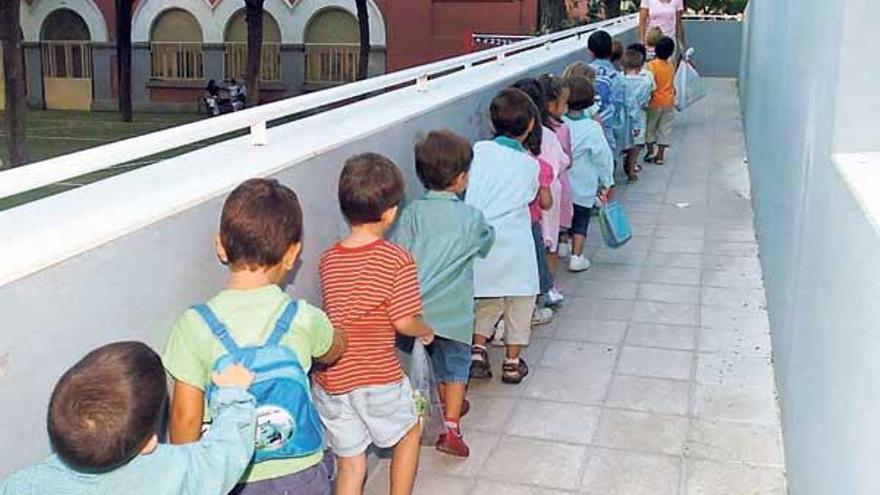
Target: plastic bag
column 689, row 87
column 429, row 408
column 614, row 225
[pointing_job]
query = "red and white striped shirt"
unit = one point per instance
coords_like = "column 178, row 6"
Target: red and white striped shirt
column 365, row 289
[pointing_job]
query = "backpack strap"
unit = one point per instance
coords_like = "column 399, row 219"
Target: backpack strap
column 217, row 327
column 282, row 325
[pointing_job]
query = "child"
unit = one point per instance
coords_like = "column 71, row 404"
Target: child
column 617, row 55
column 259, row 241
column 608, row 87
column 592, row 170
column 638, row 90
column 371, row 291
column 652, row 36
column 444, row 236
column 557, row 93
column 503, row 181
column 103, row 417
column 661, row 108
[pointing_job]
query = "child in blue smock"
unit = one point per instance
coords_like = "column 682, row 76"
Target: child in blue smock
column 503, row 181
column 592, row 169
column 637, row 93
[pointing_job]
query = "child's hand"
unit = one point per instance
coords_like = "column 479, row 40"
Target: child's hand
column 427, row 339
column 235, row 376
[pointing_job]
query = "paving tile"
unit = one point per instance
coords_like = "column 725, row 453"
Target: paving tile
column 489, row 487
column 606, row 290
column 732, row 279
column 671, row 275
column 535, row 462
column 677, row 244
column 613, row 273
column 732, row 263
column 746, row 319
column 681, row 260
column 664, row 336
column 666, row 313
column 571, row 356
column 733, row 297
column 735, row 342
column 731, row 235
column 660, row 363
column 431, row 484
column 720, row 369
column 734, row 442
column 582, row 387
column 607, row 309
column 743, row 249
column 755, row 405
column 488, row 414
column 646, row 432
column 649, row 394
column 713, row 478
column 682, row 294
column 611, row 472
column 570, row 423
column 481, row 444
column 590, row 330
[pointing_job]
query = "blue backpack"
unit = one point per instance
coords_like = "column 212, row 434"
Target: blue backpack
column 287, row 423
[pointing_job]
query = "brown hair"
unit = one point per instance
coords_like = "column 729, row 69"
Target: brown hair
column 441, row 157
column 632, row 59
column 653, row 36
column 579, row 69
column 512, row 111
column 369, row 185
column 261, row 219
column 582, row 93
column 107, row 406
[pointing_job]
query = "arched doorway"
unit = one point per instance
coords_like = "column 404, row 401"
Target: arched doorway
column 235, row 38
column 176, row 47
column 332, row 47
column 67, row 61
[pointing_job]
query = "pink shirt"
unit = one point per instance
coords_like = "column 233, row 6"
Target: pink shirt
column 662, row 14
column 545, row 179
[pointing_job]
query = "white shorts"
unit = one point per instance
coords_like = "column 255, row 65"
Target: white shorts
column 381, row 415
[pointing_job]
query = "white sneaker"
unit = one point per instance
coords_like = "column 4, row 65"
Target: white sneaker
column 498, row 336
column 563, row 250
column 542, row 316
column 578, row 263
column 554, row 297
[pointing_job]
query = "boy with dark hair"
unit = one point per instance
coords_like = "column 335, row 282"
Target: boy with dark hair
column 503, row 181
column 259, row 241
column 592, row 167
column 444, row 236
column 608, row 86
column 104, row 415
column 370, row 289
column 661, row 108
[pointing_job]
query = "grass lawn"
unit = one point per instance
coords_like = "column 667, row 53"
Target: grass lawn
column 53, row 133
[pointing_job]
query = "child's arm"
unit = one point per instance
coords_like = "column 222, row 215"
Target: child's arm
column 415, row 326
column 545, row 199
column 337, row 348
column 482, row 235
column 187, row 413
column 218, row 461
column 405, row 303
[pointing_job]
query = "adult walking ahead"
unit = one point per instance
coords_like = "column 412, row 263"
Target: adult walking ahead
column 666, row 15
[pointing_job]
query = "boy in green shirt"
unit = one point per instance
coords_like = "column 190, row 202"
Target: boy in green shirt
column 259, row 240
column 445, row 235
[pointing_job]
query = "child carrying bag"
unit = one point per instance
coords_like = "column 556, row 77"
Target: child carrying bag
column 613, row 224
column 689, row 87
column 287, row 423
column 429, row 408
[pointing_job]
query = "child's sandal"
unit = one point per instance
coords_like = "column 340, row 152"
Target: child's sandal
column 514, row 372
column 659, row 161
column 480, row 368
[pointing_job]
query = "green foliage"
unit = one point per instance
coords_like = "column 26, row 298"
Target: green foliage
column 717, row 6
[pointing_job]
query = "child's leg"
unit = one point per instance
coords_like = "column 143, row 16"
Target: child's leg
column 630, row 164
column 579, row 226
column 486, row 314
column 350, row 475
column 517, row 321
column 664, row 131
column 404, row 461
column 552, row 262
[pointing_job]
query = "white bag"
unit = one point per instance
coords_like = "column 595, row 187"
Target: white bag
column 689, row 87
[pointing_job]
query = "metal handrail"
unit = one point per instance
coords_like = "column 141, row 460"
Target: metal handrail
column 53, row 170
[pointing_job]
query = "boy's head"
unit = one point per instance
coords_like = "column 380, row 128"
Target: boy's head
column 260, row 227
column 106, row 409
column 600, row 44
column 665, row 48
column 370, row 189
column 513, row 114
column 443, row 160
column 582, row 94
column 632, row 61
column 639, row 48
column 652, row 36
column 616, row 51
column 580, row 69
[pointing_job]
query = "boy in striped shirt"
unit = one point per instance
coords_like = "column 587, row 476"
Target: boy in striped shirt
column 371, row 292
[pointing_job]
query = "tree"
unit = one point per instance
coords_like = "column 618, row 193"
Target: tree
column 123, row 58
column 253, row 17
column 717, row 6
column 364, row 30
column 13, row 73
column 612, row 8
column 552, row 15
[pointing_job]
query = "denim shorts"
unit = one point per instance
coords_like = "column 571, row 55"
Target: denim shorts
column 316, row 480
column 580, row 223
column 380, row 415
column 451, row 360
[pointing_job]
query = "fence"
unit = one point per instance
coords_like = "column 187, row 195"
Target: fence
column 172, row 61
column 331, row 64
column 235, row 61
column 67, row 59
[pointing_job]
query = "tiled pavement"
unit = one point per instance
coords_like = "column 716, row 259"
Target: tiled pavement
column 655, row 378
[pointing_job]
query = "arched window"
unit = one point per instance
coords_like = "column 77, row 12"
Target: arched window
column 176, row 46
column 332, row 47
column 236, row 48
column 66, row 51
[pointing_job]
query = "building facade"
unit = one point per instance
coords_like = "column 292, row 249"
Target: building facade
column 179, row 45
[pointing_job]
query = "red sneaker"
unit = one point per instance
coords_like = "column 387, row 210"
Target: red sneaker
column 465, row 407
column 452, row 443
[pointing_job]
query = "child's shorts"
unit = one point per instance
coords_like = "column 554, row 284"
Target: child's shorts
column 517, row 313
column 580, row 223
column 660, row 125
column 451, row 360
column 316, row 480
column 381, row 415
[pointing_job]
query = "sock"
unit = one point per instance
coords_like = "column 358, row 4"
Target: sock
column 508, row 360
column 451, row 424
column 478, row 346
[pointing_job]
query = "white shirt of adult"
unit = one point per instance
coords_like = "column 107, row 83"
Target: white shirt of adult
column 664, row 14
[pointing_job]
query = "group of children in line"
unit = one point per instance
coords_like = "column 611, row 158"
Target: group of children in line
column 461, row 266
